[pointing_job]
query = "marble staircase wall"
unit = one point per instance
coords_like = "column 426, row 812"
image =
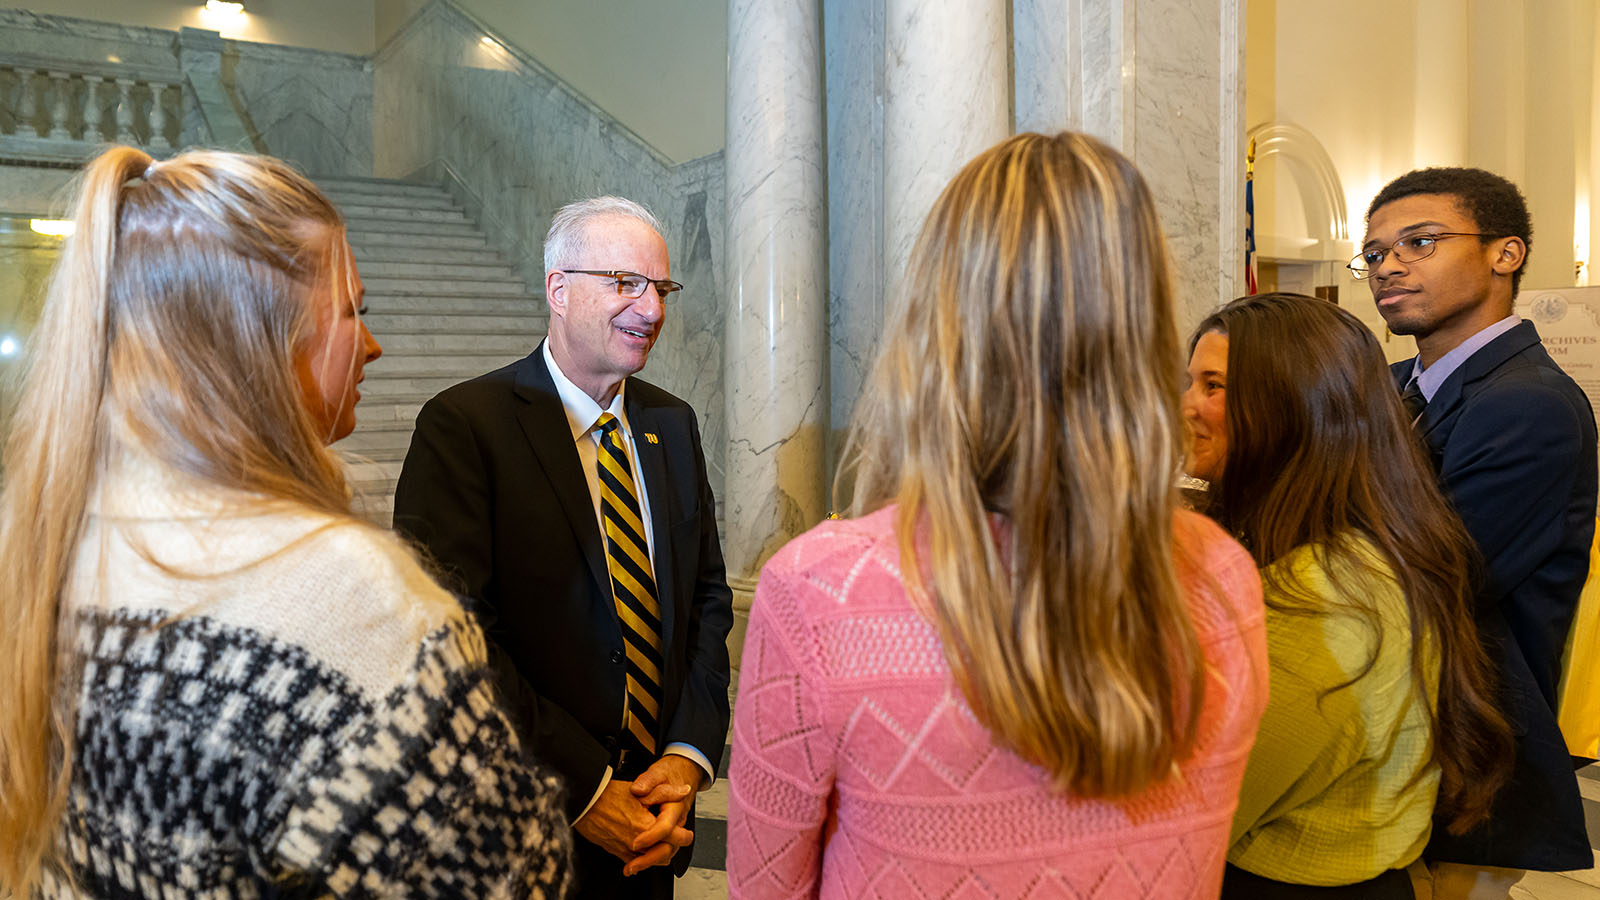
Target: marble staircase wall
column 311, row 107
column 519, row 142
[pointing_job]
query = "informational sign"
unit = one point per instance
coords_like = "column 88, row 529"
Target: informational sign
column 1568, row 320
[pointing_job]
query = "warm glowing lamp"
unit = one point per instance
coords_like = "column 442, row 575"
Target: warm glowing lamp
column 224, row 8
column 52, row 227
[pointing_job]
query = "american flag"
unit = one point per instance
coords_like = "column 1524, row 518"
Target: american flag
column 1250, row 219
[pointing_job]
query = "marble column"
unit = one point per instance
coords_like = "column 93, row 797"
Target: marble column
column 1162, row 81
column 774, row 354
column 947, row 97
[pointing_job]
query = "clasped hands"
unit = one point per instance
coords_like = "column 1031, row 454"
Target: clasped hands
column 642, row 822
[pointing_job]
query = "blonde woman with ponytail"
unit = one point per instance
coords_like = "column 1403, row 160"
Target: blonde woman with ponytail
column 1018, row 670
column 213, row 678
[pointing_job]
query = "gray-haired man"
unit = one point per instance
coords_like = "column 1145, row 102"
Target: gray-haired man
column 568, row 502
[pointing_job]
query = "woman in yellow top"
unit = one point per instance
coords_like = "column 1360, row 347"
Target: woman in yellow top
column 1379, row 709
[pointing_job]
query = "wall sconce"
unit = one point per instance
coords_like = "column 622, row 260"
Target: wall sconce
column 52, row 227
column 224, row 8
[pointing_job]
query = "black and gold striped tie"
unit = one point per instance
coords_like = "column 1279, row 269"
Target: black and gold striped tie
column 633, row 587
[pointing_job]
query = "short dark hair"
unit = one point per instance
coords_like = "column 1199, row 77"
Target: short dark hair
column 1495, row 205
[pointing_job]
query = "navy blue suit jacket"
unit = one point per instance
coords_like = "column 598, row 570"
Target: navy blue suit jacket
column 1512, row 437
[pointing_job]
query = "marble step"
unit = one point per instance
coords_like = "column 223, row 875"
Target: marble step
column 441, row 342
column 403, row 214
column 367, row 471
column 378, row 385
column 438, row 304
column 377, row 253
column 436, row 200
column 465, row 271
column 362, row 226
column 366, row 441
column 345, row 184
column 381, row 410
column 454, row 287
column 383, row 323
column 395, row 455
column 407, row 241
column 461, row 365
column 374, row 506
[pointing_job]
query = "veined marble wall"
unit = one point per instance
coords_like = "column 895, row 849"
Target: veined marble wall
column 1161, row 80
column 853, row 66
column 311, row 107
column 450, row 97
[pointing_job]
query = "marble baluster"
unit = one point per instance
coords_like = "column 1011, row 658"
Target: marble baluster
column 62, row 85
column 27, row 106
column 125, row 111
column 947, row 97
column 158, row 118
column 91, row 108
column 775, row 353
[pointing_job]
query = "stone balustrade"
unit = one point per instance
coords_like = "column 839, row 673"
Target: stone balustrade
column 55, row 110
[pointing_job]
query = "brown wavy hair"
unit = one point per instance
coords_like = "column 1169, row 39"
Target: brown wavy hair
column 1016, row 382
column 1320, row 453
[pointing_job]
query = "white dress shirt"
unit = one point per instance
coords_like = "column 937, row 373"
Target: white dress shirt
column 583, row 417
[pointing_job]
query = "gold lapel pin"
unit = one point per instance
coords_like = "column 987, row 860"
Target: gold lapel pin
column 649, row 436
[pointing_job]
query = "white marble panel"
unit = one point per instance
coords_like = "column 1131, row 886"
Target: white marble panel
column 947, row 92
column 1188, row 91
column 1045, row 61
column 777, row 280
column 84, row 41
column 311, row 107
column 854, row 64
column 521, row 143
column 1107, row 69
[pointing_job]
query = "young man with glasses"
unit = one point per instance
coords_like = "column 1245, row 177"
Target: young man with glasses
column 569, row 503
column 1513, row 440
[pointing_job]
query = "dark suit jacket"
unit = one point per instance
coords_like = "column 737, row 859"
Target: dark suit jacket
column 1513, row 440
column 493, row 490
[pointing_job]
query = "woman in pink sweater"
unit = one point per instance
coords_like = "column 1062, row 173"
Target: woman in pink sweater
column 1019, row 671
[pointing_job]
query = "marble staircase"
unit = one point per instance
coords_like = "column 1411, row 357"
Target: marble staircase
column 444, row 305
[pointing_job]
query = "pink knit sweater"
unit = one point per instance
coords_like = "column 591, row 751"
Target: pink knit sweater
column 845, row 702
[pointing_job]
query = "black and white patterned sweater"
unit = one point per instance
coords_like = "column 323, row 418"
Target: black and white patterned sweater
column 283, row 705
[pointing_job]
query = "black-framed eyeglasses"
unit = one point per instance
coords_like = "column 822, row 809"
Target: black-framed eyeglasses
column 631, row 284
column 1411, row 248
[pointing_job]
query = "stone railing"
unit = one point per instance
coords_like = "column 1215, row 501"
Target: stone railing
column 57, row 110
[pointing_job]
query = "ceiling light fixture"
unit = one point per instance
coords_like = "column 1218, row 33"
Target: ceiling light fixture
column 224, row 8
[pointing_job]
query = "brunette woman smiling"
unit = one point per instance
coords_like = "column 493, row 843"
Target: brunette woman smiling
column 1380, row 705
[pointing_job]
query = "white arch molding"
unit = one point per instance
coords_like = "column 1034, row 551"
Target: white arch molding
column 1317, row 181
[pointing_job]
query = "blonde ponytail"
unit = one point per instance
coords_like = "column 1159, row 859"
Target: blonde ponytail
column 170, row 330
column 50, row 458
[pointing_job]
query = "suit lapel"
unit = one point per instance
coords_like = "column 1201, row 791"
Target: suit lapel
column 1488, row 358
column 653, row 468
column 544, row 422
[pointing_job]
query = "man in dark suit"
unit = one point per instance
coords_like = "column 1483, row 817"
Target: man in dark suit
column 569, row 504
column 1513, row 440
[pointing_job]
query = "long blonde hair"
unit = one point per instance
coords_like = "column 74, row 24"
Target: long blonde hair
column 171, row 328
column 1030, row 373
